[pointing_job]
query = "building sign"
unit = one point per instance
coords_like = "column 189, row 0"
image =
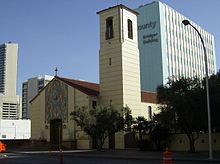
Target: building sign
column 149, row 37
column 149, row 25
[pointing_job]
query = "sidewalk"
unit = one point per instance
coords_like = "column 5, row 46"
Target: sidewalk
column 135, row 154
column 131, row 154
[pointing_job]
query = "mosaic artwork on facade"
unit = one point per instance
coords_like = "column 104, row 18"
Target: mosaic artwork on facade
column 56, row 101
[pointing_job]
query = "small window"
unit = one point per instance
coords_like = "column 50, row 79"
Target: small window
column 41, row 82
column 94, row 104
column 109, row 28
column 130, row 29
column 149, row 112
column 110, row 61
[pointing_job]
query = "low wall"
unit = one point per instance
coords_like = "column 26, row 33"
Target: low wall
column 180, row 142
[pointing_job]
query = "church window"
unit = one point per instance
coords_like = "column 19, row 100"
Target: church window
column 110, row 61
column 130, row 29
column 94, row 104
column 149, row 112
column 109, row 28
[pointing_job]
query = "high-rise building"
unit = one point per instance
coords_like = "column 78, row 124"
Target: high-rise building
column 30, row 88
column 10, row 105
column 168, row 49
column 8, row 68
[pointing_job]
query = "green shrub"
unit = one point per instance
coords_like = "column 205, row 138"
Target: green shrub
column 145, row 145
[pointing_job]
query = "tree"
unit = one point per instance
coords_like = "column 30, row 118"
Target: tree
column 159, row 136
column 101, row 122
column 214, row 90
column 185, row 101
column 141, row 125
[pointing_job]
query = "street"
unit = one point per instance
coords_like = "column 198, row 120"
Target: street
column 17, row 158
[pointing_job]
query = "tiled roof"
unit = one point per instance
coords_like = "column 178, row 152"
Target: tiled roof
column 85, row 87
column 149, row 97
column 93, row 89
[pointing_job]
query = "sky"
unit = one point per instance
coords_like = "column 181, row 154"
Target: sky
column 65, row 33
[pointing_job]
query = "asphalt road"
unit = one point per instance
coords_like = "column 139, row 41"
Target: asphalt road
column 16, row 158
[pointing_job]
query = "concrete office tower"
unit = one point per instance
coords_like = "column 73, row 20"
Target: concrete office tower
column 168, row 49
column 30, row 88
column 119, row 58
column 8, row 68
column 10, row 105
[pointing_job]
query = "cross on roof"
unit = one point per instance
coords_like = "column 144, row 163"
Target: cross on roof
column 56, row 71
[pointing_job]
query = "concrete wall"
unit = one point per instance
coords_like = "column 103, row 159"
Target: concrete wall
column 11, row 100
column 15, row 129
column 11, row 69
column 179, row 142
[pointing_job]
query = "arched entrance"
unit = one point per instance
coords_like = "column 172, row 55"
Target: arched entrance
column 56, row 132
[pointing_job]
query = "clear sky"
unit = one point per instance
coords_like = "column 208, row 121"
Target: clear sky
column 65, row 33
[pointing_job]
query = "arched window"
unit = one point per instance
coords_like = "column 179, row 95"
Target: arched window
column 130, row 29
column 109, row 28
column 149, row 112
column 94, row 104
column 110, row 61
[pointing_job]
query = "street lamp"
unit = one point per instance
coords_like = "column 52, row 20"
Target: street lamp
column 186, row 22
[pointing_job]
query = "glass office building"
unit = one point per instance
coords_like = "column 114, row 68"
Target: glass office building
column 168, row 49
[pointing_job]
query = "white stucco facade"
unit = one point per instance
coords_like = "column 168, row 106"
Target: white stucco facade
column 15, row 129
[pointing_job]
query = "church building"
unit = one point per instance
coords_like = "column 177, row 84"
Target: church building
column 119, row 86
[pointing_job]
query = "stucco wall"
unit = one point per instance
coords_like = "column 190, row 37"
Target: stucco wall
column 38, row 117
column 144, row 106
column 180, row 142
column 41, row 130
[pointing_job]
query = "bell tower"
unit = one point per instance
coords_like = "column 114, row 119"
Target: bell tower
column 119, row 58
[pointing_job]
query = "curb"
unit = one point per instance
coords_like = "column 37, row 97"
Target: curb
column 83, row 153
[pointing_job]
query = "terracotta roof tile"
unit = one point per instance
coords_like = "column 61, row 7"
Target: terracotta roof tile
column 85, row 87
column 93, row 89
column 149, row 97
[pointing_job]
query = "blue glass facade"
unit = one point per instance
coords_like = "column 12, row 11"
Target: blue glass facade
column 168, row 49
column 150, row 41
